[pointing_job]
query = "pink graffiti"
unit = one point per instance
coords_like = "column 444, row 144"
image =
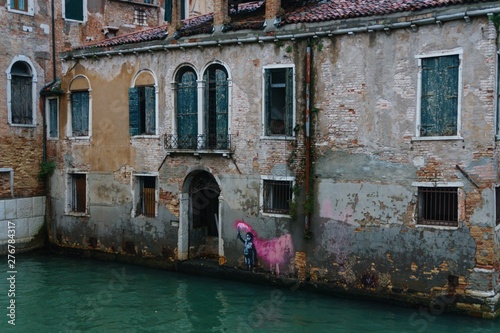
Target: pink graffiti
column 274, row 251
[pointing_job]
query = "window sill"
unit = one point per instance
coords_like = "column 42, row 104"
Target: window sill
column 275, row 215
column 22, row 12
column 73, row 20
column 77, row 214
column 436, row 138
column 279, row 138
column 79, row 138
column 497, row 227
column 140, row 137
column 439, row 227
column 22, row 125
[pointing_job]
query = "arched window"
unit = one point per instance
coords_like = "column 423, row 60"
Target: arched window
column 216, row 107
column 21, row 88
column 187, row 109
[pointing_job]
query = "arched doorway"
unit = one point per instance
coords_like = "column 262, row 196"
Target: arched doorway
column 203, row 216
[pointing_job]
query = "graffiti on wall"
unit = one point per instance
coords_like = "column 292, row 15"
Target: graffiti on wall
column 274, row 252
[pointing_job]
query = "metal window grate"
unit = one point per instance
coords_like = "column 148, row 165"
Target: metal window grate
column 277, row 196
column 438, row 206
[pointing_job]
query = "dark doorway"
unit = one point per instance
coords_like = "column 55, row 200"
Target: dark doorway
column 204, row 212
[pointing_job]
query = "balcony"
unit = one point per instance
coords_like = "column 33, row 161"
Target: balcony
column 198, row 144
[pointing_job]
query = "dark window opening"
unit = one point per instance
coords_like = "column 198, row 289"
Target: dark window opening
column 277, row 196
column 147, row 198
column 216, row 108
column 73, row 10
column 53, row 119
column 79, row 193
column 279, row 101
column 438, row 206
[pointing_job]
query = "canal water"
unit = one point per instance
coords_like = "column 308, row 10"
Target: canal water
column 63, row 294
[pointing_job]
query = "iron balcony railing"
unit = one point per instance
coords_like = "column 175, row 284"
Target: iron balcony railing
column 198, row 142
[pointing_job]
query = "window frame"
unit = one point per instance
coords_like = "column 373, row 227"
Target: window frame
column 70, row 193
column 265, row 125
column 50, row 124
column 69, row 127
column 436, row 54
column 153, row 88
column 30, row 10
column 460, row 203
column 263, row 180
column 179, row 73
column 84, row 12
column 137, row 183
column 34, row 80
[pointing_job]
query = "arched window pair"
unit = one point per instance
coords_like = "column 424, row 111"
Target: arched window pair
column 202, row 126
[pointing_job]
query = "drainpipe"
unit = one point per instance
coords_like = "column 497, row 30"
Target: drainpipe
column 42, row 101
column 307, row 223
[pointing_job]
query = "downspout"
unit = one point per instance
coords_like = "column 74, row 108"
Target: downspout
column 42, row 106
column 307, row 135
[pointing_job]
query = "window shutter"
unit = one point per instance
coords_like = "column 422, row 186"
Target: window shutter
column 289, row 102
column 439, row 101
column 187, row 111
column 74, row 10
column 221, row 97
column 134, row 111
column 150, row 110
column 267, row 101
column 449, row 94
column 168, row 11
column 85, row 113
column 53, row 118
column 76, row 113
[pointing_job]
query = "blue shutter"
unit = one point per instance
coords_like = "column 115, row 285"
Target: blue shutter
column 267, row 101
column 54, row 126
column 168, row 11
column 439, row 96
column 150, row 110
column 289, row 102
column 134, row 111
column 85, row 113
column 76, row 114
column 187, row 111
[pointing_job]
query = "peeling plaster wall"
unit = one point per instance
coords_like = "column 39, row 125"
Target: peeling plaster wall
column 366, row 160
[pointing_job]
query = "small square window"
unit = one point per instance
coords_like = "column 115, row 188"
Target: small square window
column 75, row 10
column 140, row 17
column 438, row 206
column 146, row 196
column 22, row 7
column 277, row 196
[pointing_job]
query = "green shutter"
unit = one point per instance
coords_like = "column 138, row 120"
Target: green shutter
column 439, row 100
column 221, row 108
column 267, row 101
column 134, row 111
column 168, row 10
column 289, row 102
column 53, row 118
column 150, row 110
column 85, row 113
column 187, row 111
column 74, row 10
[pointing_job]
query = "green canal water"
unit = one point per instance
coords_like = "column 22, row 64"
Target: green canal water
column 61, row 294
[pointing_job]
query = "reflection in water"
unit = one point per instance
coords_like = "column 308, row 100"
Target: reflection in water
column 57, row 294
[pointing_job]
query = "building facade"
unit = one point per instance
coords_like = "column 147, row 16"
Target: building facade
column 358, row 144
